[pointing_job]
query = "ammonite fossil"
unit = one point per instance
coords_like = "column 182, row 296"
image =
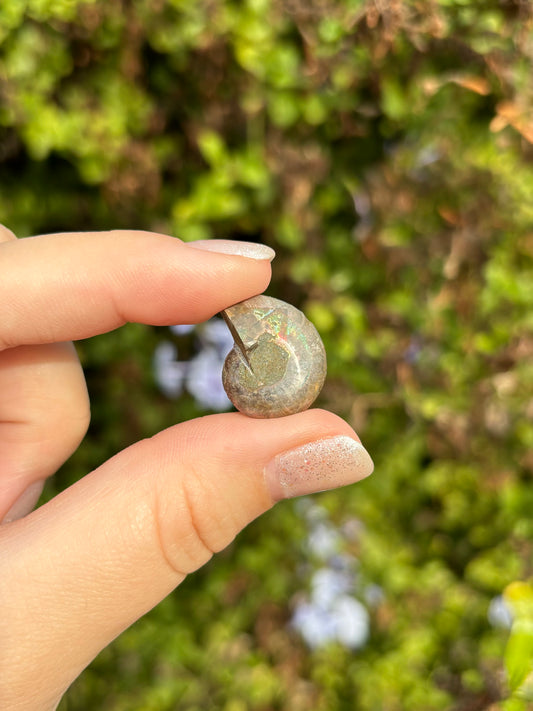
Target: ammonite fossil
column 278, row 363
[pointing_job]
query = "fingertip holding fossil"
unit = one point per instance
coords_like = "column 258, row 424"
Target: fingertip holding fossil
column 277, row 365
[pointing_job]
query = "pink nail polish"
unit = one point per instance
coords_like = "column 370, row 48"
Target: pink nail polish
column 25, row 503
column 252, row 250
column 317, row 466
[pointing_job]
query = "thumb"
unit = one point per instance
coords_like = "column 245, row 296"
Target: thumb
column 89, row 563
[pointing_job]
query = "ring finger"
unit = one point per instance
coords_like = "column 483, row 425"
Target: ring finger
column 44, row 414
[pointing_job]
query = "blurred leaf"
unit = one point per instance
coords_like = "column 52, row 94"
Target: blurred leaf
column 212, row 148
column 508, row 113
column 519, row 653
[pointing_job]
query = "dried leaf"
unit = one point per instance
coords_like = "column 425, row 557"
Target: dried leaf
column 473, row 83
column 466, row 81
column 509, row 113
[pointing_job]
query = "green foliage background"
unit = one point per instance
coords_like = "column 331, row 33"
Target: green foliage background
column 384, row 149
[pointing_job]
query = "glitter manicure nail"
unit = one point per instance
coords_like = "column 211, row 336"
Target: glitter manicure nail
column 317, row 466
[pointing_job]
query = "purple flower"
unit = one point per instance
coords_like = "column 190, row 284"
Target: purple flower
column 314, row 624
column 324, row 541
column 345, row 621
column 327, row 584
column 216, row 334
column 202, row 375
column 182, row 329
column 331, row 614
column 351, row 621
column 204, row 380
column 169, row 372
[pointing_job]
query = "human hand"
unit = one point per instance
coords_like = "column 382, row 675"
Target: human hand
column 79, row 570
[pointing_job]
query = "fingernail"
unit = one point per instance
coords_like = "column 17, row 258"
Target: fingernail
column 252, row 250
column 6, row 235
column 25, row 503
column 317, row 466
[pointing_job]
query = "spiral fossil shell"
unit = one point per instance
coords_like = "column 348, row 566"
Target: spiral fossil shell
column 278, row 364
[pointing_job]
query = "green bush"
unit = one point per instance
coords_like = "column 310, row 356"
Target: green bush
column 384, row 150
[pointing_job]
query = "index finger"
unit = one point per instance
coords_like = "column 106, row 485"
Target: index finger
column 69, row 286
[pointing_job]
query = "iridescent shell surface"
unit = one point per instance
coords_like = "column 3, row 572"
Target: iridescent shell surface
column 279, row 366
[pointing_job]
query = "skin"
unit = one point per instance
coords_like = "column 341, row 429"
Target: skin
column 69, row 584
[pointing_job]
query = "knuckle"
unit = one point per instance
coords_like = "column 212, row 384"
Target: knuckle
column 187, row 525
